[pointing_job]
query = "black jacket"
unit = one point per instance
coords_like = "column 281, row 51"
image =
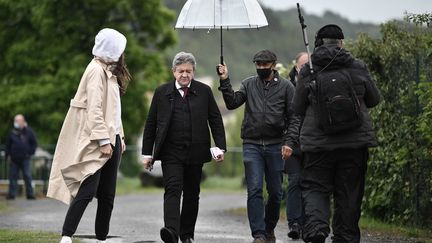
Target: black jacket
column 204, row 113
column 268, row 117
column 20, row 144
column 312, row 139
column 293, row 75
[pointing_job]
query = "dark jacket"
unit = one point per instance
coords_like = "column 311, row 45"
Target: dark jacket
column 21, row 144
column 268, row 117
column 312, row 139
column 204, row 113
column 293, row 75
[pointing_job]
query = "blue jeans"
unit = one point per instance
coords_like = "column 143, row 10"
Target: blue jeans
column 294, row 205
column 15, row 167
column 260, row 161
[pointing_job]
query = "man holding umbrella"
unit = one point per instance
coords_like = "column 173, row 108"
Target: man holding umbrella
column 269, row 131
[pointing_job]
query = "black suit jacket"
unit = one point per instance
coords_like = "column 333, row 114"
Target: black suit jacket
column 204, row 113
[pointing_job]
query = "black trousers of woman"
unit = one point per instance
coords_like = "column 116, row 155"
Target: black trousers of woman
column 102, row 184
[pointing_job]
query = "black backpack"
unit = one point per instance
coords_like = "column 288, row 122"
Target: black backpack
column 335, row 102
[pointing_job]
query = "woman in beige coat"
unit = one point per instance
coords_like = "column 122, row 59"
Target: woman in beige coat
column 91, row 140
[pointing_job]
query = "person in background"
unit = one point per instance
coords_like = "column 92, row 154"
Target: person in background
column 301, row 59
column 294, row 204
column 177, row 133
column 91, row 141
column 334, row 161
column 21, row 144
column 269, row 133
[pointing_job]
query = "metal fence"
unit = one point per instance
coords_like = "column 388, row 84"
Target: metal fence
column 40, row 174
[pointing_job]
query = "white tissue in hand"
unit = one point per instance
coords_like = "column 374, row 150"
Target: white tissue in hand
column 216, row 152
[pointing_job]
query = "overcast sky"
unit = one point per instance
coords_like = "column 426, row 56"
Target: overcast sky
column 373, row 11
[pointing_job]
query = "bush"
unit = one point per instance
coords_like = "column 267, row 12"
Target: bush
column 399, row 182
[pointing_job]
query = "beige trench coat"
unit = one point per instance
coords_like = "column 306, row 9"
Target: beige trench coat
column 91, row 117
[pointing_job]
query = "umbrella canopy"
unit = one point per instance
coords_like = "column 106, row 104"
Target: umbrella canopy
column 228, row 14
column 221, row 14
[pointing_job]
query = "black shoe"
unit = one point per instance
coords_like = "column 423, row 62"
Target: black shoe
column 168, row 236
column 270, row 237
column 10, row 198
column 189, row 240
column 319, row 238
column 31, row 198
column 294, row 231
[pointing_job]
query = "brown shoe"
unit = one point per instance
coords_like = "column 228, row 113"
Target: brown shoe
column 271, row 238
column 259, row 239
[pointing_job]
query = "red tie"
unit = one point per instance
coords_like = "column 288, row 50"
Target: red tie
column 185, row 91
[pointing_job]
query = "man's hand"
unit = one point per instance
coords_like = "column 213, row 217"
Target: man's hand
column 286, row 152
column 106, row 151
column 220, row 158
column 147, row 162
column 223, row 71
column 8, row 159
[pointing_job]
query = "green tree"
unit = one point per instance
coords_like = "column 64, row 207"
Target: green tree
column 399, row 182
column 45, row 46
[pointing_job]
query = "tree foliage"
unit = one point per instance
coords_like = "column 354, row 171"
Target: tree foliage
column 45, row 46
column 399, row 183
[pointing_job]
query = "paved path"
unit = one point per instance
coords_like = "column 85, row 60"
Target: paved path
column 138, row 218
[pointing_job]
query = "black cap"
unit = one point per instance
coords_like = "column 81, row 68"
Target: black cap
column 264, row 56
column 330, row 31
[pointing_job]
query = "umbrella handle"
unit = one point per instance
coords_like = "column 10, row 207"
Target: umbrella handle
column 217, row 67
column 221, row 56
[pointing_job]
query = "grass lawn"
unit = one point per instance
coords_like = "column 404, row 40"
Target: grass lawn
column 374, row 226
column 127, row 185
column 222, row 184
column 3, row 206
column 15, row 236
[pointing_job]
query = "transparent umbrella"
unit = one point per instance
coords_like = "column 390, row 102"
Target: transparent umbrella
column 221, row 14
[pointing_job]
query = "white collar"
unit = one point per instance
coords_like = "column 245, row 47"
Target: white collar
column 177, row 85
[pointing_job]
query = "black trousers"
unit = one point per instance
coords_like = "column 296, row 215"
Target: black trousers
column 341, row 174
column 102, row 184
column 180, row 177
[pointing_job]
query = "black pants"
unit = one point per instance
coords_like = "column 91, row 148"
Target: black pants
column 294, row 204
column 102, row 184
column 181, row 177
column 341, row 174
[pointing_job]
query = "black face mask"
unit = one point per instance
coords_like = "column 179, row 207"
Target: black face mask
column 264, row 73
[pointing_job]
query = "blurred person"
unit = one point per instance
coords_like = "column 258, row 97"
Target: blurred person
column 269, row 133
column 91, row 140
column 335, row 136
column 301, row 59
column 294, row 204
column 21, row 144
column 177, row 133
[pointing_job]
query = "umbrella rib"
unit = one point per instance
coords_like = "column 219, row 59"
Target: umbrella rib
column 187, row 13
column 247, row 13
column 220, row 12
column 214, row 15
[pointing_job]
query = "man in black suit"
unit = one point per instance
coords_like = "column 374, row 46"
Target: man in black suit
column 177, row 133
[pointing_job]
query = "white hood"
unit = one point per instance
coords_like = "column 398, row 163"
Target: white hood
column 109, row 45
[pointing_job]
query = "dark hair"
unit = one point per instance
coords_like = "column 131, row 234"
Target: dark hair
column 122, row 73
